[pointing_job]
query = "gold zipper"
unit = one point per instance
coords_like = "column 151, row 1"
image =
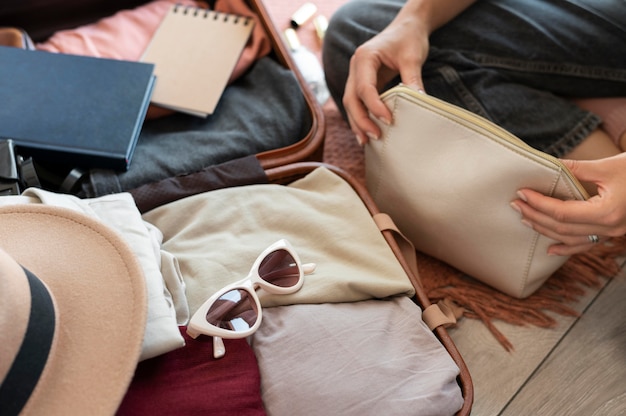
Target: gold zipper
column 470, row 118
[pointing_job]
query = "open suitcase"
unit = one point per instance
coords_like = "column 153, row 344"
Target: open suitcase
column 232, row 132
column 177, row 194
column 281, row 166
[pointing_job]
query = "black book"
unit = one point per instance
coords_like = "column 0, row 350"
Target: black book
column 73, row 110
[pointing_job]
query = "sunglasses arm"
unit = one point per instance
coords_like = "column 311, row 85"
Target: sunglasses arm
column 308, row 268
column 219, row 350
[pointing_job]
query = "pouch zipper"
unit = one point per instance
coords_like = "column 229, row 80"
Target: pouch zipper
column 473, row 119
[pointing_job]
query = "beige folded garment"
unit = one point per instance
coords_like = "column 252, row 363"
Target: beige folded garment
column 216, row 236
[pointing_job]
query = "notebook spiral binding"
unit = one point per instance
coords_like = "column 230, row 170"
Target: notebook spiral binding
column 206, row 13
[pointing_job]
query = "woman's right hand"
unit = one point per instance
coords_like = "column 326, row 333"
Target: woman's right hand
column 572, row 222
column 400, row 49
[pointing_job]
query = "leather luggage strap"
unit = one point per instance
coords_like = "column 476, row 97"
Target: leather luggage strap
column 434, row 315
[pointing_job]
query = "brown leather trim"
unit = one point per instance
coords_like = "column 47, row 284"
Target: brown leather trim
column 309, row 148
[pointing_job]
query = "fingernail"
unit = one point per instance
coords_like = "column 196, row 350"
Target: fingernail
column 372, row 136
column 359, row 139
column 521, row 196
column 527, row 224
column 385, row 121
column 515, row 207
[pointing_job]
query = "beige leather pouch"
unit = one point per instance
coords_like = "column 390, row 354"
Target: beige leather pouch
column 447, row 177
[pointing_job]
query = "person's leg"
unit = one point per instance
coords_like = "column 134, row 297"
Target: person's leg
column 567, row 47
column 597, row 145
column 613, row 114
column 516, row 63
column 508, row 61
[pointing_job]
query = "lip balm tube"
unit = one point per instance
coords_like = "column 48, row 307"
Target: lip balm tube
column 304, row 13
column 321, row 24
column 309, row 66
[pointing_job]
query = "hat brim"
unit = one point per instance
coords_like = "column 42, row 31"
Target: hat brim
column 100, row 294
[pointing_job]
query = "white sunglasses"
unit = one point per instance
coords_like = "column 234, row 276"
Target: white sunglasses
column 235, row 310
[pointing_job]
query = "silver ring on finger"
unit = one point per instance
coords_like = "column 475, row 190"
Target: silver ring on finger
column 593, row 238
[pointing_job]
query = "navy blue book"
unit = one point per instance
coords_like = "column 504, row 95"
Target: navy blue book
column 73, row 110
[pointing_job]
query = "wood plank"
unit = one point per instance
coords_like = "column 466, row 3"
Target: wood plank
column 585, row 374
column 498, row 375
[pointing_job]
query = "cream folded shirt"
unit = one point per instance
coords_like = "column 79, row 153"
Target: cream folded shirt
column 167, row 304
column 217, row 235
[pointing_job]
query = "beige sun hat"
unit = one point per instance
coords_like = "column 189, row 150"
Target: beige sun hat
column 85, row 294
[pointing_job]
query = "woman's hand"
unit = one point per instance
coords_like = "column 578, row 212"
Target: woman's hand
column 400, row 49
column 572, row 222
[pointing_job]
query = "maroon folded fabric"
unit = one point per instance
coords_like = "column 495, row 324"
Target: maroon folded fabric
column 189, row 381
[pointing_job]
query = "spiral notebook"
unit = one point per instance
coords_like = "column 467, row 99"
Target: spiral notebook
column 194, row 51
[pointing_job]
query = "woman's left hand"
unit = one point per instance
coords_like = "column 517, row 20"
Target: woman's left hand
column 574, row 223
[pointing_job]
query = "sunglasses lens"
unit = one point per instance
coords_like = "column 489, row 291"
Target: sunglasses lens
column 280, row 269
column 235, row 310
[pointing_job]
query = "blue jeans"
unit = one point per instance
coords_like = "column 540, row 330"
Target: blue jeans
column 515, row 62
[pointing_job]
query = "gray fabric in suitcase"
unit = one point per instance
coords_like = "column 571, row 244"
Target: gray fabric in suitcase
column 263, row 110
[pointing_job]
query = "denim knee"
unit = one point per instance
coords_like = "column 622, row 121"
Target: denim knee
column 337, row 49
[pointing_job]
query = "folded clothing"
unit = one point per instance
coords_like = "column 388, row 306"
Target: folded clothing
column 167, row 304
column 243, row 124
column 189, row 381
column 222, row 232
column 374, row 357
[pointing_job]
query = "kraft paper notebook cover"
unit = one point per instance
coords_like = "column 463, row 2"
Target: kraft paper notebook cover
column 73, row 110
column 195, row 51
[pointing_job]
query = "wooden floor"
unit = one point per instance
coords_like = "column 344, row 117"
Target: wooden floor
column 578, row 368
